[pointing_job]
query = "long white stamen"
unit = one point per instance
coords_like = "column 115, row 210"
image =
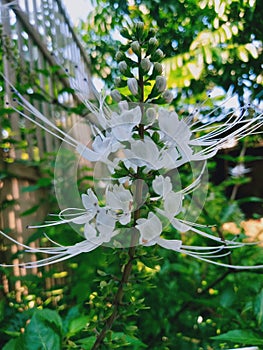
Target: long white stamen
column 236, row 267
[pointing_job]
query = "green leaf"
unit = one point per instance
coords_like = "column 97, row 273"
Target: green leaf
column 87, row 343
column 30, row 188
column 43, row 331
column 228, row 211
column 44, row 182
column 135, row 342
column 227, row 297
column 66, row 89
column 77, row 324
column 239, row 336
column 14, row 344
column 258, row 308
column 30, row 211
column 249, row 199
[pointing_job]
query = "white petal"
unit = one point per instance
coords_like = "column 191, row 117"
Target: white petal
column 173, row 204
column 172, row 244
column 149, row 228
column 89, row 200
column 162, row 185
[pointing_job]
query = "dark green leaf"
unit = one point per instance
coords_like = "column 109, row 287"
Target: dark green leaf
column 77, row 324
column 87, row 343
column 14, row 344
column 43, row 331
column 242, row 337
column 30, row 211
column 258, row 308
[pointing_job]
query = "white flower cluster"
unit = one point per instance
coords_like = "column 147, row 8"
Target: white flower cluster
column 166, row 144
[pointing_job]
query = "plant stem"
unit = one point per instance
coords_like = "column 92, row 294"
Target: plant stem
column 117, row 300
column 134, row 238
column 125, row 277
column 127, row 267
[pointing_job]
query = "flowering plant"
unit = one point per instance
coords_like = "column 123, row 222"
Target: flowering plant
column 143, row 147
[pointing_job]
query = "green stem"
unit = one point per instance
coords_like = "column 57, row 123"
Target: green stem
column 132, row 250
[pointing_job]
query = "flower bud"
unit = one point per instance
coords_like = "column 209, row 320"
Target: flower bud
column 120, row 56
column 125, row 33
column 139, row 31
column 116, row 96
column 118, row 82
column 152, row 46
column 158, row 55
column 136, row 47
column 133, row 85
column 123, row 67
column 145, row 65
column 168, row 96
column 160, row 83
column 139, row 27
column 150, row 116
column 157, row 70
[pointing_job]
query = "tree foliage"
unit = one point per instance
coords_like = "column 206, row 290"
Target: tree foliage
column 207, row 43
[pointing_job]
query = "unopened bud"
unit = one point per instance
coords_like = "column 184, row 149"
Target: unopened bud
column 123, row 67
column 145, row 65
column 158, row 55
column 157, row 69
column 125, row 33
column 133, row 86
column 168, row 96
column 118, row 82
column 139, row 31
column 116, row 96
column 150, row 116
column 139, row 25
column 160, row 83
column 136, row 47
column 152, row 46
column 120, row 56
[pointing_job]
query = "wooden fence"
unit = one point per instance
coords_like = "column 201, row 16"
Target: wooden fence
column 38, row 43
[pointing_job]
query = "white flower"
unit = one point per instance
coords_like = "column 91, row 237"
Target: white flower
column 149, row 228
column 119, row 202
column 186, row 139
column 122, row 124
column 162, row 185
column 76, row 215
column 102, row 148
column 239, row 170
column 179, row 143
column 105, row 224
column 146, row 153
column 57, row 253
